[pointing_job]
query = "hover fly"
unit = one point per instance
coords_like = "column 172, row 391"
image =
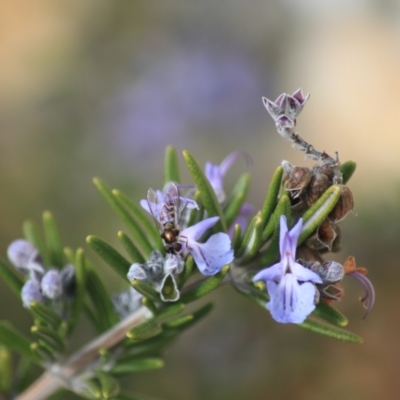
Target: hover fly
column 167, row 209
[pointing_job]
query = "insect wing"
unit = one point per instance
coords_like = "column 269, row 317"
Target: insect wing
column 155, row 205
column 170, row 208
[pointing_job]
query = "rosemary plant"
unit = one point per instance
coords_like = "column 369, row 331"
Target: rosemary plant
column 181, row 243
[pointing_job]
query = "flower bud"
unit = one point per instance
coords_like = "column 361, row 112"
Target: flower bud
column 31, row 292
column 137, row 271
column 19, row 253
column 51, row 284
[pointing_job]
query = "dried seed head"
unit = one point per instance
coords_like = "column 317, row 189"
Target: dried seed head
column 343, row 206
column 324, row 237
column 317, row 186
column 298, row 180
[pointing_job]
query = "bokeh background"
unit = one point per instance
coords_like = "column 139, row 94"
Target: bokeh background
column 99, row 88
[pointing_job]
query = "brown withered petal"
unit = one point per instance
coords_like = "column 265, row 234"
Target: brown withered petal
column 323, row 238
column 317, row 186
column 298, row 179
column 350, row 266
column 328, row 169
column 331, row 293
column 344, row 205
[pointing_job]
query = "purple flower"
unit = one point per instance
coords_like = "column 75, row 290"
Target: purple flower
column 212, row 255
column 290, row 285
column 31, row 292
column 216, row 173
column 52, row 285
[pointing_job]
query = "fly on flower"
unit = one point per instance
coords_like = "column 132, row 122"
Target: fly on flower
column 167, row 210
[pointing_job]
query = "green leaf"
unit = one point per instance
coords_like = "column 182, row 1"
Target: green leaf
column 330, row 331
column 207, row 194
column 48, row 336
column 237, row 199
column 272, row 196
column 330, row 314
column 131, row 249
column 105, row 314
column 32, row 234
column 187, row 271
column 252, row 240
column 42, row 352
column 53, row 241
column 136, row 230
column 183, row 323
column 171, row 166
column 24, row 374
column 111, row 256
column 319, row 211
column 150, row 305
column 137, row 365
column 205, row 287
column 5, row 370
column 171, row 310
column 283, row 208
column 14, row 282
column 109, row 386
column 45, row 314
column 347, row 169
column 80, row 288
column 237, row 239
column 14, row 340
column 146, row 290
column 142, row 217
column 178, row 322
column 145, row 330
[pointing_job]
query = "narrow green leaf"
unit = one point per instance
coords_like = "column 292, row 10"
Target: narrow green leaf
column 187, row 271
column 347, row 169
column 205, row 287
column 272, row 196
column 171, row 166
column 177, row 322
column 145, row 330
column 32, row 234
column 14, row 340
column 330, row 314
column 142, row 217
column 53, row 241
column 207, row 194
column 146, row 290
column 137, row 365
column 45, row 314
column 317, row 213
column 10, row 277
column 93, row 318
column 69, row 255
column 171, row 310
column 131, row 249
column 111, row 256
column 91, row 389
column 48, row 336
column 252, row 240
column 109, row 386
column 5, row 370
column 237, row 239
column 105, row 313
column 283, row 208
column 24, row 374
column 136, row 230
column 193, row 319
column 150, row 305
column 133, row 349
column 237, row 199
column 330, row 331
column 80, row 288
column 42, row 352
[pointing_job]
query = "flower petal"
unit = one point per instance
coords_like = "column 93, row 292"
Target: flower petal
column 31, row 292
column 304, row 274
column 196, row 231
column 294, row 236
column 290, row 302
column 273, row 273
column 211, row 256
column 51, row 284
column 284, row 240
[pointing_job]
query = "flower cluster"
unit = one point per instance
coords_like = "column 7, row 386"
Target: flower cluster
column 42, row 286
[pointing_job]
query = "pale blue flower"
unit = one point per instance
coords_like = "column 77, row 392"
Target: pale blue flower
column 212, row 255
column 291, row 286
column 31, row 292
column 52, row 285
column 216, row 173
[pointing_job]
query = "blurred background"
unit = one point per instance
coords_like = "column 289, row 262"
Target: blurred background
column 99, row 88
